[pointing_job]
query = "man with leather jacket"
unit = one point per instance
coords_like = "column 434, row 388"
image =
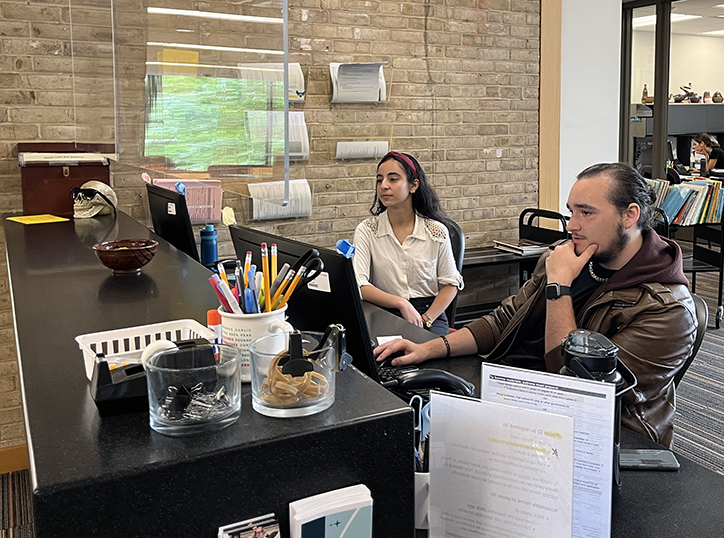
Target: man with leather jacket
column 617, row 277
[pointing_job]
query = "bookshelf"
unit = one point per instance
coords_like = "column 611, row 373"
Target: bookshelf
column 697, row 205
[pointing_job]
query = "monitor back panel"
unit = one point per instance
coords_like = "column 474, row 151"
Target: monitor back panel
column 171, row 220
column 311, row 309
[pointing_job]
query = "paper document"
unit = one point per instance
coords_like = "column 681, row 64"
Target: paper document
column 267, row 200
column 25, row 158
column 267, row 127
column 591, row 404
column 38, row 219
column 362, row 150
column 498, row 470
column 273, row 72
column 358, row 83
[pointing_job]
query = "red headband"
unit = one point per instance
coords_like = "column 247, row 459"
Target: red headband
column 405, row 158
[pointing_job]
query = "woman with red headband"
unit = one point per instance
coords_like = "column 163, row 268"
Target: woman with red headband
column 403, row 259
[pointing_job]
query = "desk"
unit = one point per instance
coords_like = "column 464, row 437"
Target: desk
column 114, row 476
column 653, row 504
column 485, row 257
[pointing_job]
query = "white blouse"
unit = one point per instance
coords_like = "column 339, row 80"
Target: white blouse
column 418, row 267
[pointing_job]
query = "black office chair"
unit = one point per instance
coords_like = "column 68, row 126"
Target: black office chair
column 527, row 230
column 661, row 222
column 702, row 318
column 457, row 239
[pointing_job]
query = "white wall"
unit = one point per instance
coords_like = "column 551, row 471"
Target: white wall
column 695, row 59
column 590, row 74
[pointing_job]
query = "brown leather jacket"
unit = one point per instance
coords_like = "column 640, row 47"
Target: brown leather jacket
column 645, row 309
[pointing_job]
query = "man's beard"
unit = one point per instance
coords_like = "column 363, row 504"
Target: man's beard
column 605, row 256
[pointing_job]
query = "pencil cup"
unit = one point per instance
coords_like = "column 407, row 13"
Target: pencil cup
column 242, row 329
column 422, row 500
column 285, row 386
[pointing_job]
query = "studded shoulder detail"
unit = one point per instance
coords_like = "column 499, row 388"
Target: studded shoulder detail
column 436, row 230
column 372, row 223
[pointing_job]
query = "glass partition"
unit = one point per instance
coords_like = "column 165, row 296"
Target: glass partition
column 199, row 88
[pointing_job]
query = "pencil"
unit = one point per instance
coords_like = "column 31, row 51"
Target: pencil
column 265, row 271
column 292, row 286
column 247, row 265
column 287, row 279
column 273, row 273
column 222, row 272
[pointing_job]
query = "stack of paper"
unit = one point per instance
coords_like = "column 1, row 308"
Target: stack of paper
column 342, row 512
column 524, row 247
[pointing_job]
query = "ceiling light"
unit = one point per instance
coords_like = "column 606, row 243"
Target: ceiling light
column 650, row 20
column 177, row 64
column 210, row 47
column 211, row 15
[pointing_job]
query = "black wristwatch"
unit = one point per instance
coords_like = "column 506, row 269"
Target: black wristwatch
column 556, row 291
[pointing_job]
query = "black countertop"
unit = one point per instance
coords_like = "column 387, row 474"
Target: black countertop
column 60, row 290
column 655, row 504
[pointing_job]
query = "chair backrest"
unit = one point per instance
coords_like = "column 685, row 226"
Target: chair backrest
column 457, row 239
column 702, row 318
column 526, row 230
column 661, row 222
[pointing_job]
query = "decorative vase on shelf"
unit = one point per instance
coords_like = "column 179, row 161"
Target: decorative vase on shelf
column 717, row 98
column 707, row 98
column 644, row 94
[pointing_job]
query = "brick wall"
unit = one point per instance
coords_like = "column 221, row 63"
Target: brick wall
column 463, row 98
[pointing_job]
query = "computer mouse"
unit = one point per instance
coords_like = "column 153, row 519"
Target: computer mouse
column 387, row 363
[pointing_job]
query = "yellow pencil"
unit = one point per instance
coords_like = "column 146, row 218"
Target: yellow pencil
column 265, row 269
column 287, row 279
column 292, row 286
column 247, row 266
column 273, row 262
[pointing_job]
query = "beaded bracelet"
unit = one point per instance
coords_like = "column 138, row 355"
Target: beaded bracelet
column 447, row 345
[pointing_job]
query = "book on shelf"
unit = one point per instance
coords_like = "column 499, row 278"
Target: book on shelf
column 660, row 188
column 694, row 202
column 524, row 247
column 333, row 514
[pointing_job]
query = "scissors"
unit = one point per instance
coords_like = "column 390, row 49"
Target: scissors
column 312, row 262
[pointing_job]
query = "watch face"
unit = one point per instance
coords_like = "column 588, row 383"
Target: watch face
column 552, row 291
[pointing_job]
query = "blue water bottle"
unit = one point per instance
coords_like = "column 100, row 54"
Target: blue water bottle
column 209, row 246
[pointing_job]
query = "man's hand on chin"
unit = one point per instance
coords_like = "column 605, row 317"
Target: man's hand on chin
column 564, row 265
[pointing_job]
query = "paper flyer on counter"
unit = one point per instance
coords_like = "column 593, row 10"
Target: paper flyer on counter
column 498, row 470
column 591, row 404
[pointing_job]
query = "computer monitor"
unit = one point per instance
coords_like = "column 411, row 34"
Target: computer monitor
column 315, row 309
column 171, row 220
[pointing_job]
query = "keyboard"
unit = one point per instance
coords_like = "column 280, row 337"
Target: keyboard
column 390, row 373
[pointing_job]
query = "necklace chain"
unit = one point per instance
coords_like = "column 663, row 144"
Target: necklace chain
column 594, row 276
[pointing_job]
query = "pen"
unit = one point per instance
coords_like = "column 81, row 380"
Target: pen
column 265, row 272
column 222, row 272
column 279, row 279
column 237, row 281
column 259, row 285
column 219, row 294
column 287, row 279
column 273, row 273
column 247, row 266
column 252, row 286
column 249, row 301
column 292, row 286
column 233, row 303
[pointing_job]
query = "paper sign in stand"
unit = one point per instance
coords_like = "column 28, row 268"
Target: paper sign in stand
column 591, row 404
column 498, row 470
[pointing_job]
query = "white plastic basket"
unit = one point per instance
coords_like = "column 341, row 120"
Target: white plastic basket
column 127, row 345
